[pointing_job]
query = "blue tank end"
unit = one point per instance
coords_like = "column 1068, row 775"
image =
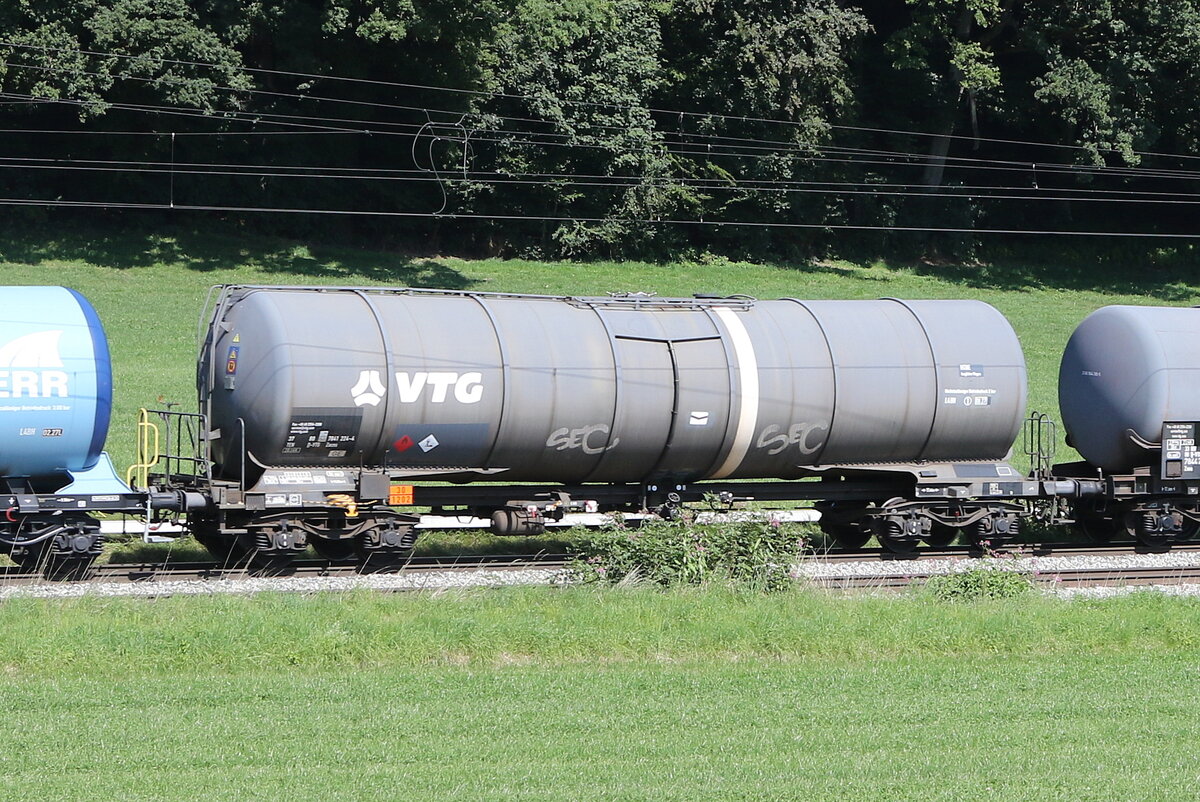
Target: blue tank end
column 55, row 383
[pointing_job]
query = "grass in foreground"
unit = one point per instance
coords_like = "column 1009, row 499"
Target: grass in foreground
column 1095, row 728
column 574, row 694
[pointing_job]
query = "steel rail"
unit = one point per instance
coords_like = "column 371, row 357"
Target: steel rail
column 118, row 573
column 1132, row 576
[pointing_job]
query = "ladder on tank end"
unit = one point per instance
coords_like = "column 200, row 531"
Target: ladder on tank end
column 172, row 459
column 1040, row 444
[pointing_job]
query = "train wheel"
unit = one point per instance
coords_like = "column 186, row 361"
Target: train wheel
column 848, row 536
column 273, row 547
column 62, row 551
column 1096, row 529
column 224, row 549
column 844, row 523
column 52, row 566
column 1190, row 529
column 941, row 535
column 900, row 546
column 334, row 550
column 898, row 534
column 994, row 532
column 385, row 546
column 1157, row 530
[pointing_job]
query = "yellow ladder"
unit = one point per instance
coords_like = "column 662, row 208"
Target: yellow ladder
column 138, row 475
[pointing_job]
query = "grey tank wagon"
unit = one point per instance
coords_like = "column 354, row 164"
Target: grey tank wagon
column 328, row 411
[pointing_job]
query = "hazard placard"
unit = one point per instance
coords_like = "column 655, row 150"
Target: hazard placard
column 399, row 495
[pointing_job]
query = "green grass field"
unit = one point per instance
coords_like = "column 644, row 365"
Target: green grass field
column 614, row 695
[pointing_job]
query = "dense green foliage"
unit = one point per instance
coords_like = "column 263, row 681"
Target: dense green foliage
column 576, row 127
column 755, row 554
column 979, row 583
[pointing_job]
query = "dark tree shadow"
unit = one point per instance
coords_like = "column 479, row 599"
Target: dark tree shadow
column 1170, row 274
column 827, row 267
column 1167, row 271
column 125, row 248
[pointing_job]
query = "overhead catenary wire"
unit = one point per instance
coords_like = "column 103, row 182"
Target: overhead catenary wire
column 616, row 182
column 561, row 219
column 771, row 146
column 768, row 147
column 159, row 134
column 915, row 160
column 677, row 143
column 596, row 104
column 616, row 178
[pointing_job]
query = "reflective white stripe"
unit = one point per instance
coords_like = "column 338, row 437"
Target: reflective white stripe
column 747, row 368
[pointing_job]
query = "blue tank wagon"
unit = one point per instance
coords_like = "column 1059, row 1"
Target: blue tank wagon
column 55, row 407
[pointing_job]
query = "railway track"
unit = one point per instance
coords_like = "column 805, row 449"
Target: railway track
column 1013, row 551
column 832, row 570
column 156, row 572
column 1132, row 576
column 1050, row 566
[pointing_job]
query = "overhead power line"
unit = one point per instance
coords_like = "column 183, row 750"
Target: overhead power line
column 368, row 172
column 560, row 219
column 594, row 104
column 531, row 139
column 561, row 180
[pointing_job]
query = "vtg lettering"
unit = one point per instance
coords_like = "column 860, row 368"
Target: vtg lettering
column 467, row 387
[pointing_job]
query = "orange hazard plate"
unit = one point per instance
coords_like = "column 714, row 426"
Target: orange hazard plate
column 400, row 494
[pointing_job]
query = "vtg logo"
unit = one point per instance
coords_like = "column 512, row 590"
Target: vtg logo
column 467, row 387
column 368, row 390
column 23, row 364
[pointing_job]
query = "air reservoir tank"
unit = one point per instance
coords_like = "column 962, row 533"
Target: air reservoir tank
column 613, row 389
column 1125, row 370
column 55, row 382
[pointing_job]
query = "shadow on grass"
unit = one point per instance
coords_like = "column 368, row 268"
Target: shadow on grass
column 1170, row 274
column 844, row 270
column 135, row 552
column 199, row 250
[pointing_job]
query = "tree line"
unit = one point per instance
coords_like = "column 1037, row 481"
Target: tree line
column 612, row 128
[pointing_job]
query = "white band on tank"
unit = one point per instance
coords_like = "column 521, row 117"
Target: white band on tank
column 747, row 368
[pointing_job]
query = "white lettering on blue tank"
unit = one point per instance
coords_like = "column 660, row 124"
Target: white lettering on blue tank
column 23, row 366
column 33, row 384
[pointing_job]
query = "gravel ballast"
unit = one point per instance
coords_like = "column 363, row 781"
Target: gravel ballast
column 423, row 580
column 816, row 570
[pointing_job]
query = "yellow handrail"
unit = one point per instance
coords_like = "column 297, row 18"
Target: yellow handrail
column 138, row 475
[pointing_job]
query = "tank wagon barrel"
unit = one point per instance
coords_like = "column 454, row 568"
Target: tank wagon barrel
column 55, row 409
column 1129, row 394
column 580, row 390
column 330, row 396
